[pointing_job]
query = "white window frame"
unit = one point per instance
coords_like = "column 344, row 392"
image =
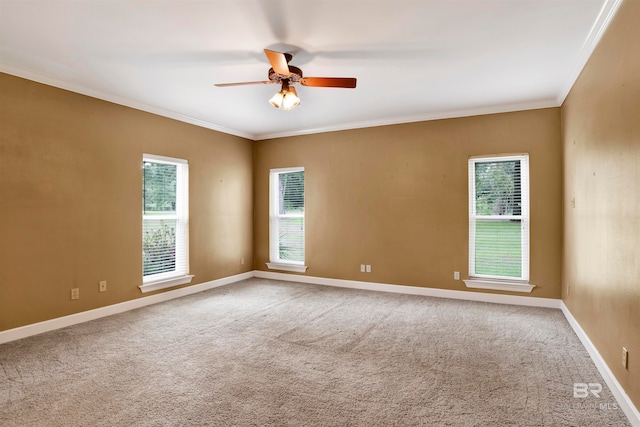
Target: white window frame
column 180, row 275
column 483, row 281
column 275, row 263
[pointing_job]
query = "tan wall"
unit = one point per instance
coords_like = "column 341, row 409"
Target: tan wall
column 601, row 133
column 396, row 197
column 70, row 199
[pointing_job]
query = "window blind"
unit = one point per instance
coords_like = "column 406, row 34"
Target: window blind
column 164, row 218
column 499, row 217
column 286, row 228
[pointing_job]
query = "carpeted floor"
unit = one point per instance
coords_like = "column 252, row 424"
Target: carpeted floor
column 264, row 352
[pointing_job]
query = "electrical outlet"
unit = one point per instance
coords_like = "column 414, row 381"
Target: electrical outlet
column 368, row 268
column 242, row 261
column 103, row 286
column 573, row 202
column 456, row 275
column 362, row 270
column 625, row 358
column 568, row 290
column 75, row 293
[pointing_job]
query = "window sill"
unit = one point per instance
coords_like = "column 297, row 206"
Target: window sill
column 165, row 283
column 297, row 268
column 499, row 285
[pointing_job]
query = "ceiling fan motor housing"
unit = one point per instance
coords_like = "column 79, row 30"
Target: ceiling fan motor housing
column 296, row 75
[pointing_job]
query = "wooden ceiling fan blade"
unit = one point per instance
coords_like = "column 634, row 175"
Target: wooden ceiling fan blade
column 342, row 82
column 278, row 61
column 264, row 82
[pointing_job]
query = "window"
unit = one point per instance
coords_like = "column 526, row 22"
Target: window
column 286, row 219
column 499, row 218
column 165, row 238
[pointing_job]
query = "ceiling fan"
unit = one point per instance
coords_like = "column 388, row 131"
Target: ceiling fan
column 288, row 75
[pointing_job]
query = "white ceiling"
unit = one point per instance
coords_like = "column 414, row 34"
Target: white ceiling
column 414, row 60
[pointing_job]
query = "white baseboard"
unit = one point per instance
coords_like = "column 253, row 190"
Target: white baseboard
column 85, row 316
column 618, row 392
column 414, row 290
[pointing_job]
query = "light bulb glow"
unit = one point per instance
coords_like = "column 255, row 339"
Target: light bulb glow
column 290, row 100
column 286, row 99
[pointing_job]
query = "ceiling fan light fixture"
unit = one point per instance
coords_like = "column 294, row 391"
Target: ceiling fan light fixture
column 286, row 99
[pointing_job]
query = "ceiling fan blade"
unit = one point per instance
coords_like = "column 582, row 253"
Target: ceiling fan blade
column 264, row 82
column 278, row 62
column 344, row 82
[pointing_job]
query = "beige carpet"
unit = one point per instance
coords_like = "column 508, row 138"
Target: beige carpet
column 264, row 352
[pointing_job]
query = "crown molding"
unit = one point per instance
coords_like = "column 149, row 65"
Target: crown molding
column 41, row 78
column 607, row 13
column 452, row 114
